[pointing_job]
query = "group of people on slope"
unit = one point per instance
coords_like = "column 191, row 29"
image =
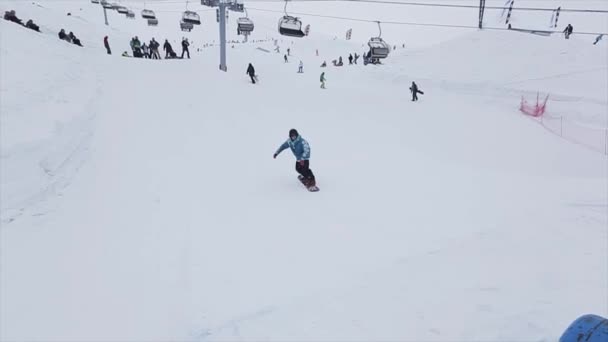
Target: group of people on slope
column 70, row 37
column 151, row 50
column 12, row 16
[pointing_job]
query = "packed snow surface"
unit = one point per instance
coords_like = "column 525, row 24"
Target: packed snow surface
column 140, row 200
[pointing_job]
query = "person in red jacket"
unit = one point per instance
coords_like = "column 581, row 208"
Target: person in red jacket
column 107, row 45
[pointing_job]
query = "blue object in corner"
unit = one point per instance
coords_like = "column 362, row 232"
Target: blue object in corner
column 587, row 328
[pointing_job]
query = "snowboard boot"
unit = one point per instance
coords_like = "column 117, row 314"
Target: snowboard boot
column 310, row 182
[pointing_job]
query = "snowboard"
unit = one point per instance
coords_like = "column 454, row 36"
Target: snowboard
column 313, row 188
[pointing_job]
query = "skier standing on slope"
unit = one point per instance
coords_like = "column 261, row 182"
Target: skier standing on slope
column 185, row 45
column 301, row 68
column 154, row 54
column 145, row 50
column 323, row 79
column 106, row 44
column 301, row 151
column 251, row 73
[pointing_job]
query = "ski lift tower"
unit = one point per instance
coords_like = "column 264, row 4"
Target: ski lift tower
column 482, row 8
column 222, row 14
column 105, row 5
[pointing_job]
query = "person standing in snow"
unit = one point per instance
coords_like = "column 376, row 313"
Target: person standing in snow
column 350, row 59
column 301, row 68
column 154, row 54
column 285, row 58
column 415, row 91
column 288, row 52
column 185, row 45
column 356, row 58
column 146, row 50
column 568, row 31
column 323, row 80
column 168, row 49
column 301, row 151
column 136, row 43
column 106, row 44
column 136, row 47
column 251, row 73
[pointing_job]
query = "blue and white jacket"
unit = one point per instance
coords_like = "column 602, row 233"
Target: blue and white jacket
column 299, row 147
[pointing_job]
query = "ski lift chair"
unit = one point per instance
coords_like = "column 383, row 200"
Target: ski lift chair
column 236, row 7
column 244, row 25
column 291, row 27
column 148, row 14
column 191, row 17
column 210, row 3
column 379, row 48
column 185, row 26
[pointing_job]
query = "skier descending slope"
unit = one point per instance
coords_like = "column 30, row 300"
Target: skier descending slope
column 301, row 150
column 251, row 73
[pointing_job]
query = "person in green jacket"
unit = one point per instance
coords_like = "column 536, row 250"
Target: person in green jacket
column 323, row 80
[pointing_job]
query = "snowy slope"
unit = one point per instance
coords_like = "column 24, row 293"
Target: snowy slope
column 140, row 200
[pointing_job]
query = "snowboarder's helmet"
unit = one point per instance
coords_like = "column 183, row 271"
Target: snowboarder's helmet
column 293, row 133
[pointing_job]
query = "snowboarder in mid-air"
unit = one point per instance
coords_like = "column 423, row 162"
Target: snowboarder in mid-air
column 301, row 151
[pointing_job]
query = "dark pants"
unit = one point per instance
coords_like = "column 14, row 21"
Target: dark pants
column 414, row 96
column 252, row 78
column 108, row 50
column 304, row 170
column 186, row 52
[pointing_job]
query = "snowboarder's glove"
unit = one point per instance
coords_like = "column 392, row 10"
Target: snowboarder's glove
column 275, row 155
